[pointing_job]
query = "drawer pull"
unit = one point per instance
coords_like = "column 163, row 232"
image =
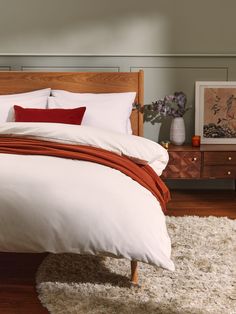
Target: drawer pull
column 229, row 173
column 229, row 158
column 194, row 159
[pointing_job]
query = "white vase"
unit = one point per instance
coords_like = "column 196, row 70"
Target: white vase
column 177, row 131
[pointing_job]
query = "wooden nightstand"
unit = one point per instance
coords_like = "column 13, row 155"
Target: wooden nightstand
column 204, row 162
column 184, row 163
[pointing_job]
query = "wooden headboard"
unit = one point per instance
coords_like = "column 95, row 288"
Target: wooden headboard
column 80, row 82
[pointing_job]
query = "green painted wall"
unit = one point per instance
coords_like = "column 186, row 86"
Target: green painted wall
column 117, row 27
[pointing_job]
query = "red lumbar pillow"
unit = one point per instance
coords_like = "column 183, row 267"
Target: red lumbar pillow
column 69, row 116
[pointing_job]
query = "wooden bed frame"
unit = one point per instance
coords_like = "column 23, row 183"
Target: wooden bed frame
column 82, row 82
column 79, row 82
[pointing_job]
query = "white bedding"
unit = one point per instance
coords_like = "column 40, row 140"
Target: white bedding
column 61, row 205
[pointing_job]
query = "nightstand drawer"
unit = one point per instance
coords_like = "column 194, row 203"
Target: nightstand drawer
column 219, row 158
column 220, row 172
column 183, row 165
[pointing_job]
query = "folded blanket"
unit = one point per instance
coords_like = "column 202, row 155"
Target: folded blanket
column 143, row 174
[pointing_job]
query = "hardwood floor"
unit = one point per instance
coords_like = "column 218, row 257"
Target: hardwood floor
column 17, row 284
column 218, row 203
column 17, row 271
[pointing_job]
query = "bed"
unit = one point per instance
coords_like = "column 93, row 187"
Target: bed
column 80, row 189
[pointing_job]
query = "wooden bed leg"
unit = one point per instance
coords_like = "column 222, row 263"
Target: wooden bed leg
column 134, row 273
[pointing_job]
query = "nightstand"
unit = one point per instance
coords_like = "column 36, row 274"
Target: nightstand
column 212, row 162
column 204, row 162
column 219, row 161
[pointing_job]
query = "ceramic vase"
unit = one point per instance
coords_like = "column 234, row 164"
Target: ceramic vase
column 177, row 131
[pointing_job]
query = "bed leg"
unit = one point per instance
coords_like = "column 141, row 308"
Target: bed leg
column 134, row 273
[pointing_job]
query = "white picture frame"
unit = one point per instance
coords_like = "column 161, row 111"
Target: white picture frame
column 215, row 111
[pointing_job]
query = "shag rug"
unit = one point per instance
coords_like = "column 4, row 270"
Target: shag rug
column 204, row 253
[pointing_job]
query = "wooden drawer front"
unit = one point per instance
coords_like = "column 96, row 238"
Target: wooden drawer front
column 220, row 172
column 220, row 158
column 183, row 165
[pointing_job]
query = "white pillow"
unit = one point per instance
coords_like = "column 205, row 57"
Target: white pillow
column 109, row 111
column 35, row 99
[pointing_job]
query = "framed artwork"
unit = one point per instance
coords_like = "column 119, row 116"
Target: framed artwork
column 215, row 112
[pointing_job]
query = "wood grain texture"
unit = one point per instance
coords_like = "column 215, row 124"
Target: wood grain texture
column 183, row 148
column 183, row 164
column 134, row 272
column 141, row 101
column 80, row 82
column 188, row 162
column 219, row 203
column 17, row 284
column 220, row 158
column 218, row 147
column 219, row 172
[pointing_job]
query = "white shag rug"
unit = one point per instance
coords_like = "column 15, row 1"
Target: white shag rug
column 204, row 253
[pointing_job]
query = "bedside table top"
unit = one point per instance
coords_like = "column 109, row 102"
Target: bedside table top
column 203, row 148
column 218, row 147
column 183, row 148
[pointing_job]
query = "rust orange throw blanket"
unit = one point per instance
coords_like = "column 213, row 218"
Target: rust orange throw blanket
column 143, row 174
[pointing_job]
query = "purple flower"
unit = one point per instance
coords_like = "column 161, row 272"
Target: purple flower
column 172, row 106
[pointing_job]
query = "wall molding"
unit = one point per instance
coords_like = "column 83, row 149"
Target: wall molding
column 69, row 68
column 185, row 67
column 185, row 55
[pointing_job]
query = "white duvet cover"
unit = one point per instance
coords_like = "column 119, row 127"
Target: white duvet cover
column 50, row 204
